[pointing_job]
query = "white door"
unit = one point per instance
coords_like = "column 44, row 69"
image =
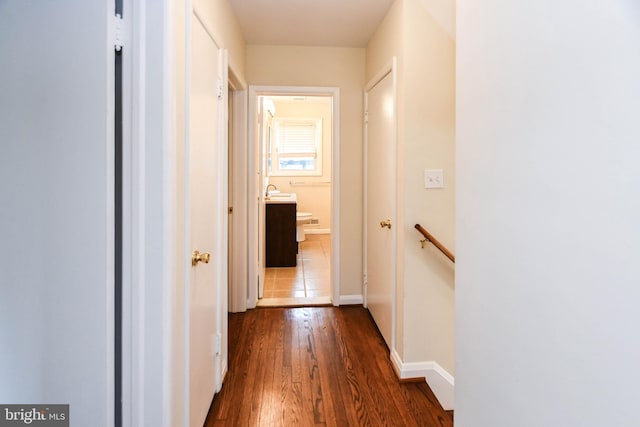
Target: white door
column 204, row 213
column 381, row 205
column 57, row 207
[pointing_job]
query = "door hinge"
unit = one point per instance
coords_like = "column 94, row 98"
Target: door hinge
column 366, row 117
column 119, row 36
column 219, row 88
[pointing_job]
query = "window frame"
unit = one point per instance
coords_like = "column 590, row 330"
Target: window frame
column 274, row 154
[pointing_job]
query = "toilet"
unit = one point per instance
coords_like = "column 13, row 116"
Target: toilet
column 302, row 218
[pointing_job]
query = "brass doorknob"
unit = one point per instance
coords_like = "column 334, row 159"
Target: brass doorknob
column 385, row 223
column 197, row 257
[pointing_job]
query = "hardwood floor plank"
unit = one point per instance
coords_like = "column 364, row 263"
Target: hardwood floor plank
column 253, row 394
column 353, row 402
column 294, row 409
column 379, row 373
column 362, row 392
column 307, row 383
column 335, row 413
column 320, row 366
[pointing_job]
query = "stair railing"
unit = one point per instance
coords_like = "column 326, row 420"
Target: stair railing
column 428, row 237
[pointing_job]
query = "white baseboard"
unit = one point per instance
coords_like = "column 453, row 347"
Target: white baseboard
column 317, row 230
column 351, row 299
column 440, row 381
column 293, row 302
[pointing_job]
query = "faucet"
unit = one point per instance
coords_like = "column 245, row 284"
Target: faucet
column 267, row 191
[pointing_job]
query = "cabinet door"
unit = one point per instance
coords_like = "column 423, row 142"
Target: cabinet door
column 281, row 235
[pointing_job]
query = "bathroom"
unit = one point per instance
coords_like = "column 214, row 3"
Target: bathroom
column 297, row 154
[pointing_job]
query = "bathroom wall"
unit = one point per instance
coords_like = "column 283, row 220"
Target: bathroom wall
column 313, row 192
column 337, row 67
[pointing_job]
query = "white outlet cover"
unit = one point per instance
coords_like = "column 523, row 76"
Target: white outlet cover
column 433, row 178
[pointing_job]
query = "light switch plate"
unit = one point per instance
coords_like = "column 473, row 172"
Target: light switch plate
column 433, row 178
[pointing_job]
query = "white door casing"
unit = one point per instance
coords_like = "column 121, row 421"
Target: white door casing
column 231, row 192
column 253, row 198
column 264, row 123
column 237, row 123
column 380, row 202
column 256, row 189
column 222, row 224
column 206, row 200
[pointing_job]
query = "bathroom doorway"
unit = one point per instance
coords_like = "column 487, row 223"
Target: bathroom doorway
column 295, row 155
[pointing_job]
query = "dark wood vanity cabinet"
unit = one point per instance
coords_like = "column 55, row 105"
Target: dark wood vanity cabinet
column 281, row 244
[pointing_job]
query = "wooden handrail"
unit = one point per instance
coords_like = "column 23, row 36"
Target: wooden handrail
column 428, row 237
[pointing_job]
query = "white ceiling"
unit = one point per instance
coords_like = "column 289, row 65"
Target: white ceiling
column 348, row 23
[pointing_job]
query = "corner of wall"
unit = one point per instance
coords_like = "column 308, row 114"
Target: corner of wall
column 444, row 13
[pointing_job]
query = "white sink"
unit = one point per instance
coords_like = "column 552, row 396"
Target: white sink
column 281, row 198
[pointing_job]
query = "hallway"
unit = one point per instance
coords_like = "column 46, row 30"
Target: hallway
column 316, row 366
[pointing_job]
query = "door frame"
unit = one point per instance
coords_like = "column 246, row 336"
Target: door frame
column 238, row 288
column 137, row 378
column 389, row 69
column 255, row 196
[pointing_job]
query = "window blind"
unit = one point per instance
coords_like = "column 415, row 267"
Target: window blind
column 297, row 138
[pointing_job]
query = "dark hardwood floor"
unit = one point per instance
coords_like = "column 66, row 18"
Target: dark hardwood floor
column 316, row 366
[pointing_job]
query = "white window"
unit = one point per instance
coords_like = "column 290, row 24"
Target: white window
column 296, row 147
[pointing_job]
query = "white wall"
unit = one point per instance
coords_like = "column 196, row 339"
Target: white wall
column 314, row 195
column 426, row 139
column 429, row 143
column 56, row 208
column 444, row 13
column 221, row 18
column 548, row 279
column 338, row 67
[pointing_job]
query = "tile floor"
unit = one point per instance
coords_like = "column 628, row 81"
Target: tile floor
column 309, row 280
